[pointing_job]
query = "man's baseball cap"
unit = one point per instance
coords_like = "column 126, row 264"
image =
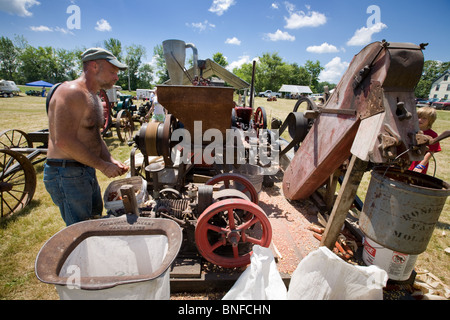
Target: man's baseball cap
column 102, row 54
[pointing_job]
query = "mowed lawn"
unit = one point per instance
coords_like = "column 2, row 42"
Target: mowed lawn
column 24, row 233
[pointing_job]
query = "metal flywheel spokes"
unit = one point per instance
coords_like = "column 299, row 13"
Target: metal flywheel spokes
column 224, row 237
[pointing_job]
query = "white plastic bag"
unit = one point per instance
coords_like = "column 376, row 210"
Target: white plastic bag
column 324, row 276
column 260, row 281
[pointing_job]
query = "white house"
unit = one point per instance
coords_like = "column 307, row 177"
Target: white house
column 440, row 88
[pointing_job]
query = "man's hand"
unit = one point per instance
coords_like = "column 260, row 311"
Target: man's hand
column 115, row 169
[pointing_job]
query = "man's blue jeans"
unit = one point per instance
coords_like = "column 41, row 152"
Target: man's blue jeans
column 75, row 190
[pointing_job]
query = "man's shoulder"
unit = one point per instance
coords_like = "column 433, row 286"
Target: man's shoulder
column 70, row 92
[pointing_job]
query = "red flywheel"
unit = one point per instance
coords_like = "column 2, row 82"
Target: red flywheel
column 225, row 235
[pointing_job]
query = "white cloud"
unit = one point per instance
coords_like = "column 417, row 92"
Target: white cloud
column 364, row 35
column 201, row 26
column 242, row 60
column 220, row 6
column 275, row 5
column 18, row 7
column 41, row 29
column 323, row 48
column 103, row 26
column 334, row 70
column 300, row 19
column 279, row 36
column 234, row 41
column 64, row 31
column 49, row 29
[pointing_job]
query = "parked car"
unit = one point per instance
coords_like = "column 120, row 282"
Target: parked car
column 441, row 105
column 425, row 103
column 8, row 89
column 269, row 93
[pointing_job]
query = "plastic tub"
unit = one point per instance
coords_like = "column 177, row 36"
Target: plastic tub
column 398, row 266
column 116, row 207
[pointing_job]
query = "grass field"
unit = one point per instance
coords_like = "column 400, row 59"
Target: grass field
column 23, row 234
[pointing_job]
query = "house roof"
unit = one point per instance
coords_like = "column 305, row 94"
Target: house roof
column 212, row 68
column 441, row 75
column 295, row 89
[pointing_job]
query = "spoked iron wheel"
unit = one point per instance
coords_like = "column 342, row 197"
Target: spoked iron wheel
column 17, row 182
column 124, row 126
column 235, row 181
column 260, row 122
column 225, row 238
column 14, row 139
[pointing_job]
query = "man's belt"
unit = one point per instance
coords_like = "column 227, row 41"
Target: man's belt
column 65, row 163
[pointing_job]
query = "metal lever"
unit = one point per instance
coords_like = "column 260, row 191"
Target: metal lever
column 314, row 114
column 402, row 113
column 129, row 200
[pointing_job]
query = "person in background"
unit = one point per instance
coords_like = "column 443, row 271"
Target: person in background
column 157, row 110
column 76, row 148
column 427, row 116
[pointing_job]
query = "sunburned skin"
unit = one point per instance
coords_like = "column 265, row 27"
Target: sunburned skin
column 76, row 118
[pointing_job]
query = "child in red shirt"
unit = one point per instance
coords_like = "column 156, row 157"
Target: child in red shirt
column 427, row 116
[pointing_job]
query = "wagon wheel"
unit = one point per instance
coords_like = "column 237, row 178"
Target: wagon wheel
column 224, row 238
column 107, row 107
column 124, row 126
column 235, row 181
column 14, row 139
column 260, row 121
column 17, row 181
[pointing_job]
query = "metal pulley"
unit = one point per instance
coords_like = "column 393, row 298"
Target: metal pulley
column 154, row 138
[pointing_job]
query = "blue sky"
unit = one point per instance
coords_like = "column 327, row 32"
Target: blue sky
column 330, row 31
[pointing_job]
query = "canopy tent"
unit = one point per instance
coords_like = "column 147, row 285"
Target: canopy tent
column 212, row 68
column 40, row 83
column 295, row 89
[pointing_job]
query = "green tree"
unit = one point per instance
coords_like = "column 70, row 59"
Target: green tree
column 161, row 69
column 114, row 46
column 269, row 71
column 431, row 71
column 67, row 67
column 145, row 77
column 30, row 64
column 220, row 59
column 314, row 69
column 9, row 55
column 135, row 53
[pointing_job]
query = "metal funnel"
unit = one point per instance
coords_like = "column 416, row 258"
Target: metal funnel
column 175, row 55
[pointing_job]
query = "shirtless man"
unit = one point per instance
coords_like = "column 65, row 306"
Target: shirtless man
column 76, row 148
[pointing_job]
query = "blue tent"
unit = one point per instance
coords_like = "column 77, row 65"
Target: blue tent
column 40, row 84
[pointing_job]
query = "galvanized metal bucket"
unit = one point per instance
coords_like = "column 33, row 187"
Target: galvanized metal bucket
column 175, row 55
column 402, row 208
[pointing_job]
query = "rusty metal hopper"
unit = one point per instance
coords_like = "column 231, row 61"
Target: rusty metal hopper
column 210, row 105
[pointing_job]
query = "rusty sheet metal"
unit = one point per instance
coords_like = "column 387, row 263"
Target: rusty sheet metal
column 210, row 105
column 378, row 76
